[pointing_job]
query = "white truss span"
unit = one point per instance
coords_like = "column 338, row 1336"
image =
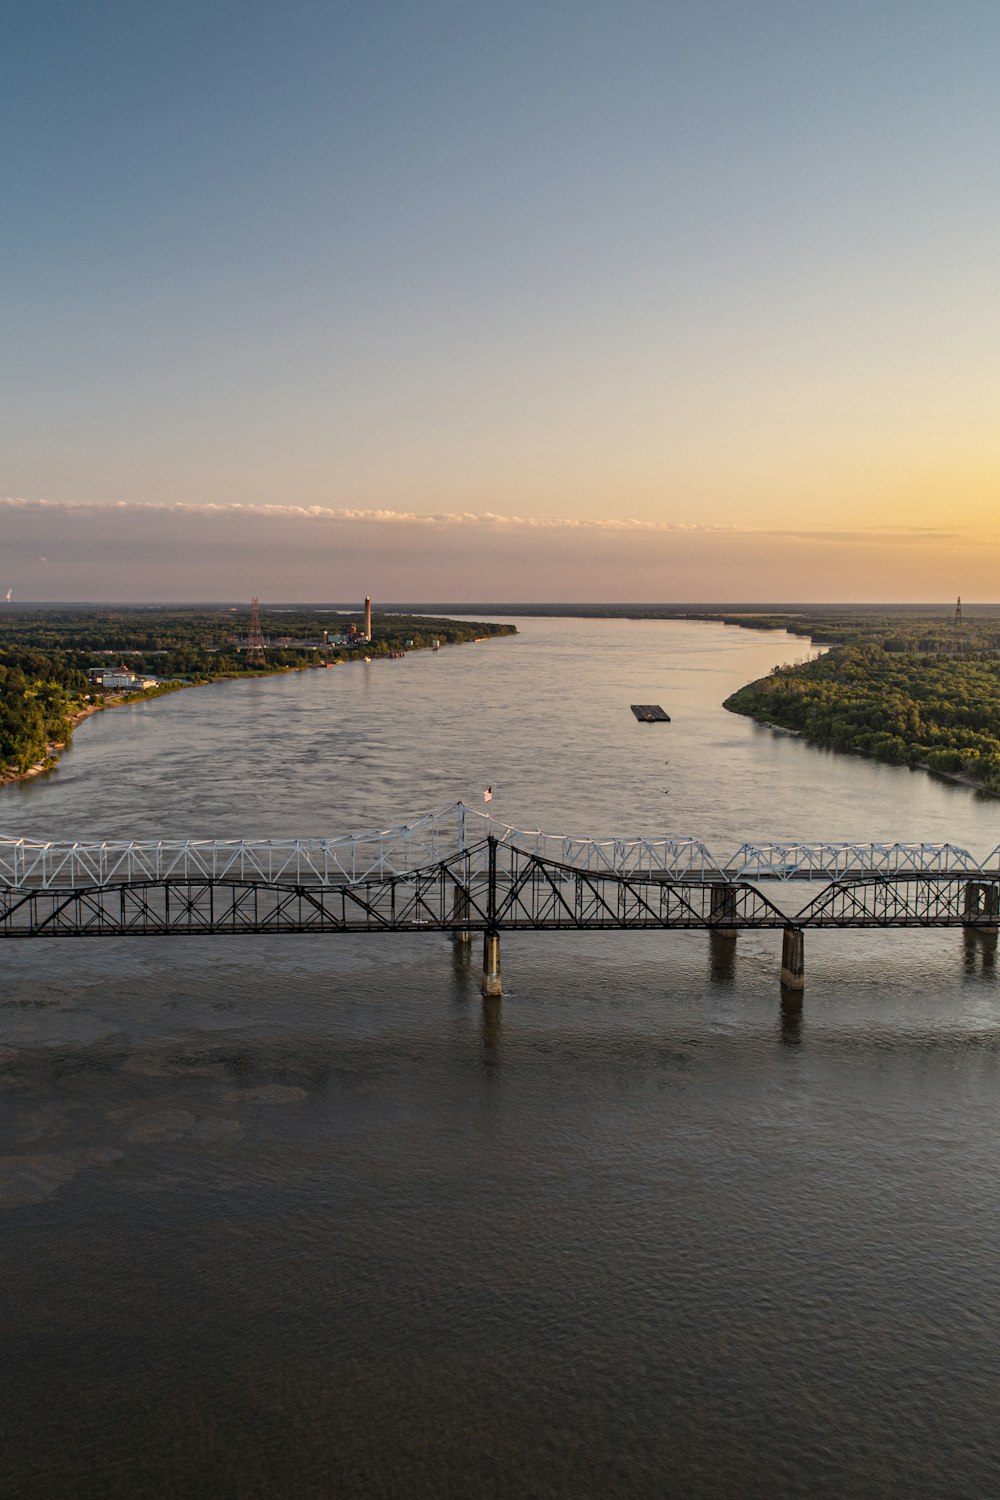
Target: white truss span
column 847, row 861
column 383, row 853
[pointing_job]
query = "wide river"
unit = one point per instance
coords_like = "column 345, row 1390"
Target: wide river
column 305, row 1217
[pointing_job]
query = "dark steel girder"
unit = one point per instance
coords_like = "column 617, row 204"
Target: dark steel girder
column 900, row 901
column 515, row 891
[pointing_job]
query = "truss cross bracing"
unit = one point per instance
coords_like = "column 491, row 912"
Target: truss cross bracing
column 385, row 853
column 461, row 871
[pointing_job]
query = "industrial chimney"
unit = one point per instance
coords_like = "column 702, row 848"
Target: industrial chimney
column 368, row 618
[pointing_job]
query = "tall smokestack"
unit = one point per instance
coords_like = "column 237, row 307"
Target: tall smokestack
column 368, row 618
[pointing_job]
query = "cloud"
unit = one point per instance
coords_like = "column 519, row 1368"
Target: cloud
column 147, row 552
column 291, row 513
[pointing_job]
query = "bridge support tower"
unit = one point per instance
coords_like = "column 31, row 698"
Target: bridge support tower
column 723, row 911
column 982, row 903
column 492, row 979
column 793, row 966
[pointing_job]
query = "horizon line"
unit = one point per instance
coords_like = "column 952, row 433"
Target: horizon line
column 498, row 606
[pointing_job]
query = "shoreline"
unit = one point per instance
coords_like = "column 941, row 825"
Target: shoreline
column 959, row 778
column 9, row 777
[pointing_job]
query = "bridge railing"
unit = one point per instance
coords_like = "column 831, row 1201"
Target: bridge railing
column 434, row 838
column 677, row 858
column 374, row 855
column 349, row 858
column 845, row 861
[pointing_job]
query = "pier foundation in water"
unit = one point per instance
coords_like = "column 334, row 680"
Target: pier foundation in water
column 492, row 979
column 793, row 967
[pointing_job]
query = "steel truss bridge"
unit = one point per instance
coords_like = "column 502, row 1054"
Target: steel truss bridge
column 463, row 872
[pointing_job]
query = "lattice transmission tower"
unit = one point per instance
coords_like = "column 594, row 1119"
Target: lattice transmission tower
column 255, row 656
column 958, row 611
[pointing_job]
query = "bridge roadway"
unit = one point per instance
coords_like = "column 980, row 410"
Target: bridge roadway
column 465, row 873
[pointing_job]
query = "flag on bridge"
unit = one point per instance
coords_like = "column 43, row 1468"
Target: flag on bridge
column 488, row 794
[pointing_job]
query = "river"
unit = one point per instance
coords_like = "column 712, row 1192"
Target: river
column 303, row 1217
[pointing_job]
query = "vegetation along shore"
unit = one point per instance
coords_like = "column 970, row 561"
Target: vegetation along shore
column 917, row 690
column 52, row 660
column 908, row 685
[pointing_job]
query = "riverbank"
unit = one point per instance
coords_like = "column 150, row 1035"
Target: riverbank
column 75, row 715
column 956, row 777
column 923, row 710
column 10, row 775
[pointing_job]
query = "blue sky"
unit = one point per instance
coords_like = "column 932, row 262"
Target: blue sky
column 683, row 265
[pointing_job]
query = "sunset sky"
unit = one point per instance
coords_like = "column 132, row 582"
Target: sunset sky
column 568, row 299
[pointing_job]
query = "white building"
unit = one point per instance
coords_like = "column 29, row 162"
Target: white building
column 119, row 679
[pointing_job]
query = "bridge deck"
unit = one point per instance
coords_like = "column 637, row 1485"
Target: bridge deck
column 527, row 894
column 460, row 831
column 429, row 877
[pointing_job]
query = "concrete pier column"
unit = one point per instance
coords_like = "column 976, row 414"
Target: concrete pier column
column 723, row 910
column 793, row 966
column 492, row 981
column 979, row 948
column 970, row 905
column 982, row 902
column 460, row 915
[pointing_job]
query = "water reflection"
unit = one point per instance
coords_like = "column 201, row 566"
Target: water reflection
column 461, row 959
column 254, row 1188
column 722, row 959
column 791, row 1017
column 492, row 1030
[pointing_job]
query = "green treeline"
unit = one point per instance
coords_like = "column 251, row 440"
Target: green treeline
column 201, row 644
column 45, row 655
column 39, row 694
column 898, row 629
column 921, row 694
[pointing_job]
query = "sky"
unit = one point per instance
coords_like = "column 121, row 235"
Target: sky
column 561, row 300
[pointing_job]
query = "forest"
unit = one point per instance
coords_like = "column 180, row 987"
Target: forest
column 202, row 644
column 45, row 655
column 919, row 692
column 39, row 695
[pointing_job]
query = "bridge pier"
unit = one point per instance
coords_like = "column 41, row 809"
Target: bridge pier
column 723, row 911
column 492, row 980
column 980, row 947
column 982, row 903
column 460, row 916
column 793, row 966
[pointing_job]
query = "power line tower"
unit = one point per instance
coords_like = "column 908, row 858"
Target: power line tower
column 255, row 656
column 958, row 611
